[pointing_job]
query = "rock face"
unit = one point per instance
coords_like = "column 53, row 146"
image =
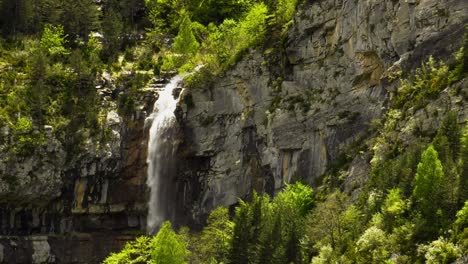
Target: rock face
column 286, row 114
column 76, row 206
column 290, row 113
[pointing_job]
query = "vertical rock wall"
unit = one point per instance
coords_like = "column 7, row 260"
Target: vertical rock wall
column 280, row 115
column 289, row 113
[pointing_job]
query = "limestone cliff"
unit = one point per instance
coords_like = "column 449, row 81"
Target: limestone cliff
column 281, row 114
column 291, row 112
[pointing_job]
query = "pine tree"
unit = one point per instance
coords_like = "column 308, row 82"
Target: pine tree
column 168, row 247
column 216, row 237
column 451, row 129
column 79, row 18
column 463, row 182
column 428, row 193
column 112, row 28
column 185, row 42
column 242, row 235
column 446, row 156
column 16, row 16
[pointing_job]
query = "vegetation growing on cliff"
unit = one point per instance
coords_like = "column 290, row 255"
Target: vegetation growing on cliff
column 412, row 210
column 52, row 54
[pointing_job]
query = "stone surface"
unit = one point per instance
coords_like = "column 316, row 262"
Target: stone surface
column 277, row 116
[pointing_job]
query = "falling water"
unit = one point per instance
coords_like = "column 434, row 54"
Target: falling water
column 161, row 162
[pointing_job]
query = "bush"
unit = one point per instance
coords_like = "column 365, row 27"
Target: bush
column 53, row 40
column 138, row 251
column 371, row 246
column 440, row 251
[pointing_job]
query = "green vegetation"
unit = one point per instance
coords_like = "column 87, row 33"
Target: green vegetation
column 429, row 80
column 262, row 231
column 214, row 34
column 53, row 52
column 413, row 209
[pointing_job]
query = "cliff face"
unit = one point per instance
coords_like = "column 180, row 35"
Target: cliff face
column 76, row 204
column 285, row 114
column 291, row 112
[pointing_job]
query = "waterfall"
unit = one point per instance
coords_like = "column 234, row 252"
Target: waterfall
column 161, row 160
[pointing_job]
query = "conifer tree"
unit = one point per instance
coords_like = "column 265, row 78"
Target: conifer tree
column 463, row 185
column 216, row 237
column 428, row 193
column 242, row 235
column 168, row 247
column 185, row 42
column 79, row 18
column 112, row 28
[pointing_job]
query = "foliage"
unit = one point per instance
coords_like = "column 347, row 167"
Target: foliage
column 226, row 43
column 429, row 179
column 463, row 195
column 112, row 29
column 427, row 82
column 284, row 11
column 137, row 251
column 326, row 256
column 460, row 233
column 394, row 204
column 333, row 223
column 81, row 17
column 269, row 232
column 440, row 251
column 185, row 45
column 371, row 246
column 213, row 245
column 168, row 247
column 53, row 40
column 298, row 196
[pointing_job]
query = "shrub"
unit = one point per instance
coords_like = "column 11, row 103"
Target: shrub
column 440, row 251
column 53, row 40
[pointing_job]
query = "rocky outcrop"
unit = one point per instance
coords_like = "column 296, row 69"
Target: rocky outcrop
column 76, row 205
column 283, row 114
column 290, row 114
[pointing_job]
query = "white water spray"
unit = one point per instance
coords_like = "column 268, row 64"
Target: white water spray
column 161, row 164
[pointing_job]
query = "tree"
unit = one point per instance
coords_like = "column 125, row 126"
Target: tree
column 460, row 234
column 215, row 240
column 168, row 247
column 297, row 196
column 463, row 185
column 16, row 16
column 242, row 235
column 325, row 224
column 164, row 14
column 137, row 251
column 428, row 193
column 185, row 42
column 53, row 40
column 112, row 28
column 451, row 129
column 394, row 206
column 326, row 256
column 79, row 18
column 371, row 246
column 440, row 251
column 206, row 11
